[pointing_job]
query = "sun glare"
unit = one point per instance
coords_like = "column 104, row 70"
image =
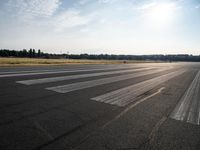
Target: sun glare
column 162, row 14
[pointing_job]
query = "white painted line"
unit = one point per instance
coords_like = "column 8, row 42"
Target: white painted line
column 188, row 108
column 92, row 83
column 47, row 70
column 29, row 71
column 133, row 105
column 124, row 96
column 56, row 72
column 63, row 78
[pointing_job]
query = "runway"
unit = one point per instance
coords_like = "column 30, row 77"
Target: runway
column 105, row 107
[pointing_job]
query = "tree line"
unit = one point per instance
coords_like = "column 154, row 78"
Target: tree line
column 32, row 53
column 21, row 53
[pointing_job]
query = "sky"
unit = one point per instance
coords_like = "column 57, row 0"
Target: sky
column 101, row 26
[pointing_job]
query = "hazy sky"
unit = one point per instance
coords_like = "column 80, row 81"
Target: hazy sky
column 101, row 26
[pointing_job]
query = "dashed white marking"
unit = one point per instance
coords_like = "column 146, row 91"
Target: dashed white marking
column 188, row 108
column 124, row 96
column 86, row 84
column 30, row 71
column 133, row 105
column 55, row 72
column 63, row 78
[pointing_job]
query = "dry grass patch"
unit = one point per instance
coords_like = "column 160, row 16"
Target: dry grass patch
column 42, row 61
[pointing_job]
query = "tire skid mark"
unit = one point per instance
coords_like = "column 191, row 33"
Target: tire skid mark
column 133, row 105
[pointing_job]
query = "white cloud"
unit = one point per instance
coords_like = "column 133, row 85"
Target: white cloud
column 44, row 14
column 106, row 1
column 31, row 8
column 69, row 19
column 83, row 2
column 158, row 4
column 147, row 6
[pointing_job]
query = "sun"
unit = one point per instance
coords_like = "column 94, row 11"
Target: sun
column 162, row 14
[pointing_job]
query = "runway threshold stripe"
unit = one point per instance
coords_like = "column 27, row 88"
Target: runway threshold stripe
column 91, row 83
column 124, row 96
column 29, row 71
column 56, row 72
column 42, row 70
column 70, row 77
column 188, row 109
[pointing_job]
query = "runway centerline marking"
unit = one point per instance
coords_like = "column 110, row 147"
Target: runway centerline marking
column 91, row 83
column 124, row 96
column 188, row 108
column 70, row 77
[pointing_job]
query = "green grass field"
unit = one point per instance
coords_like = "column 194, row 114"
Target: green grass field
column 41, row 61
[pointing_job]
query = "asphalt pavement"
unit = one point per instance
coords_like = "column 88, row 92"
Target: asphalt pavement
column 144, row 106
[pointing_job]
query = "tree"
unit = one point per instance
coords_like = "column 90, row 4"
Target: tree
column 24, row 53
column 33, row 53
column 30, row 53
column 39, row 53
